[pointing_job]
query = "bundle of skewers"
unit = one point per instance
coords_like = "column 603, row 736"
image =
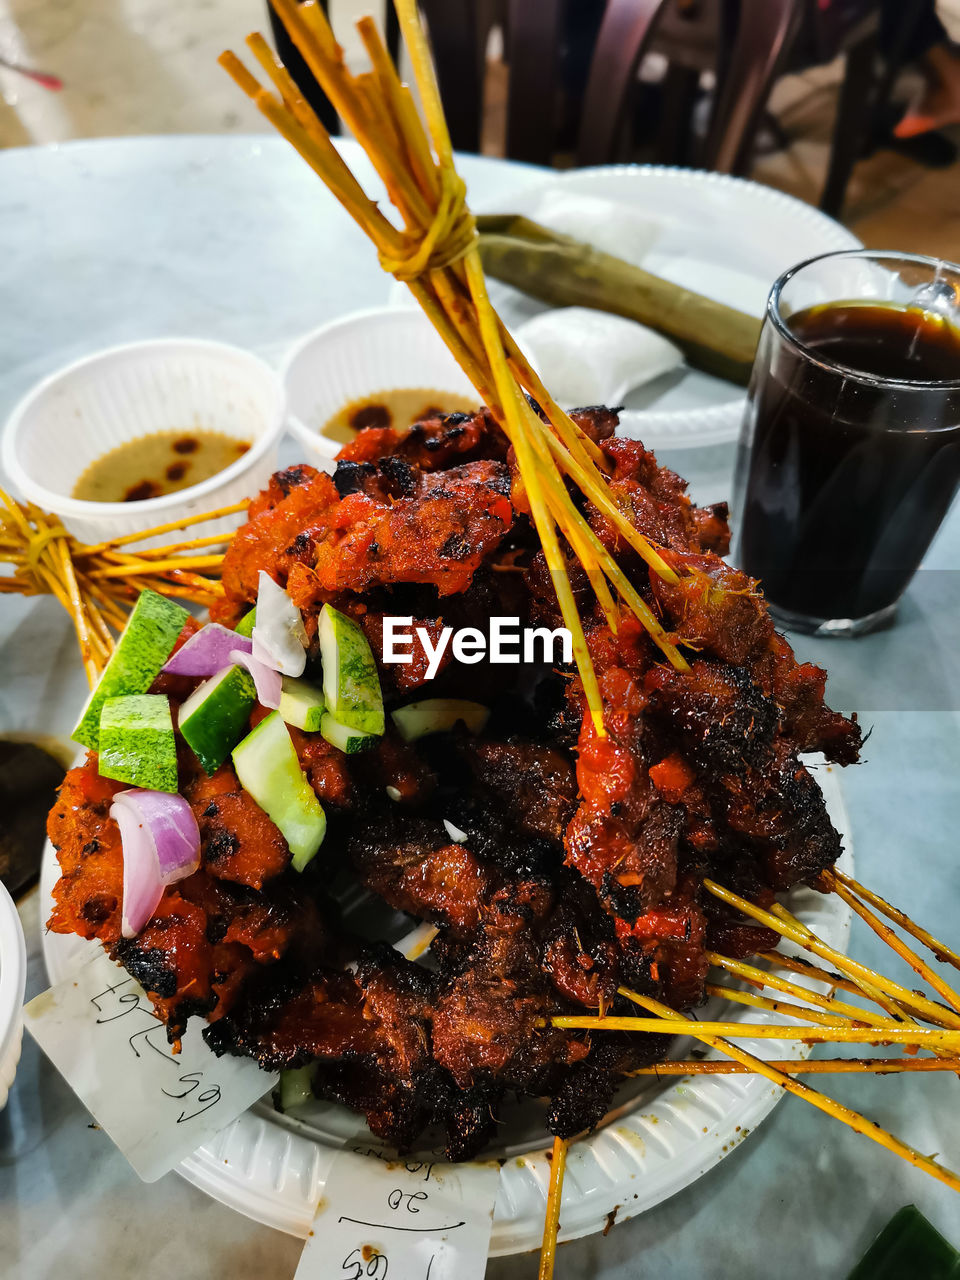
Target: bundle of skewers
column 434, row 251
column 887, row 1013
column 98, row 584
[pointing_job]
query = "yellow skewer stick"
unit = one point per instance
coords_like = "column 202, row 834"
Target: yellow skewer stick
column 838, row 1033
column 548, row 1249
column 853, row 1119
column 802, row 1066
column 864, row 976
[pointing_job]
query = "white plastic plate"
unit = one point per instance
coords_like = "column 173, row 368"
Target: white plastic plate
column 661, row 1136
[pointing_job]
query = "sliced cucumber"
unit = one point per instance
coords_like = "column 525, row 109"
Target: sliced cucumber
column 436, row 715
column 213, row 719
column 351, row 685
column 301, row 704
column 295, row 1087
column 344, row 738
column 142, row 649
column 137, row 743
column 246, row 624
column 267, row 766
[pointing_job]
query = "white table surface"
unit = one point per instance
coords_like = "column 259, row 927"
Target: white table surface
column 233, row 238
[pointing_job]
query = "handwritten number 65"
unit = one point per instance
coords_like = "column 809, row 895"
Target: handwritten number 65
column 204, row 1100
column 376, row 1268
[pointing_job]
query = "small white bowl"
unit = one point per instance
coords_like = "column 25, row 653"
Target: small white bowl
column 104, row 400
column 360, row 355
column 13, row 976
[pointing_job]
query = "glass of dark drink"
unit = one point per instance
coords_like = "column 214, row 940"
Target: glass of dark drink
column 849, row 455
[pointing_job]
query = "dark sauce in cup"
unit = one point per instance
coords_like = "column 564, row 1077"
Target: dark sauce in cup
column 842, row 482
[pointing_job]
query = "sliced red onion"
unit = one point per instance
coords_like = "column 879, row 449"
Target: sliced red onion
column 279, row 637
column 267, row 681
column 161, row 845
column 207, row 651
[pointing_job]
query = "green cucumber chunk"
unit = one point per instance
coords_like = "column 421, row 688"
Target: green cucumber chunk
column 908, row 1246
column 214, row 718
column 344, row 738
column 301, row 704
column 295, row 1088
column 143, row 647
column 351, row 685
column 137, row 743
column 267, row 766
column 436, row 715
column 246, row 624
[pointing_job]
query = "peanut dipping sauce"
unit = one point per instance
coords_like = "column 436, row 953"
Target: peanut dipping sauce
column 160, row 463
column 400, row 409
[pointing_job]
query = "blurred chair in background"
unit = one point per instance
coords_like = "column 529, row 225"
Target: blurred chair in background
column 574, row 73
column 747, row 45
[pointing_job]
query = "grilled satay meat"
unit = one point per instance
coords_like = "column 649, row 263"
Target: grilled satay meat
column 556, row 865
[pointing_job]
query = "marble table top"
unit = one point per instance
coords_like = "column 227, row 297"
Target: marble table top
column 233, row 238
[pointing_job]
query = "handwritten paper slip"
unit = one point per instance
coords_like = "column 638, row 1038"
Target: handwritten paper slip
column 98, row 1030
column 382, row 1218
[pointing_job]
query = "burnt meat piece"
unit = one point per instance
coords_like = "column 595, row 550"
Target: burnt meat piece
column 534, row 786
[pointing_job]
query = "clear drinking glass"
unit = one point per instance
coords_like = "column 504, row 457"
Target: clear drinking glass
column 849, row 456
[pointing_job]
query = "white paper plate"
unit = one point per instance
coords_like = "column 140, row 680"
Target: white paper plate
column 662, row 1135
column 725, row 237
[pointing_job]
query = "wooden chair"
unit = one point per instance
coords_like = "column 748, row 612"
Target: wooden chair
column 532, row 48
column 770, row 42
column 756, row 41
column 459, row 30
column 693, row 35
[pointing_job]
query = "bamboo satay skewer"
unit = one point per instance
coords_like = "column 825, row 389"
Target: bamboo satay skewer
column 99, row 624
column 861, row 974
column 839, row 983
column 883, row 930
column 402, row 108
column 894, row 1007
column 595, row 489
column 136, row 566
column 173, row 548
column 846, row 1033
column 94, row 584
column 171, row 527
column 761, row 977
column 797, row 965
column 551, row 1224
column 786, row 1008
column 596, row 552
column 898, row 1007
column 856, row 1121
column 939, row 949
column 543, row 520
column 801, row 1066
column 810, row 1015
